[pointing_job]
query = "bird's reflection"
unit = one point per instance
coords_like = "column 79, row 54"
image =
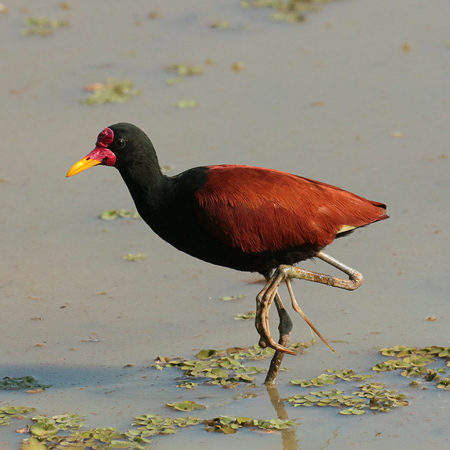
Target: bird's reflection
column 289, row 435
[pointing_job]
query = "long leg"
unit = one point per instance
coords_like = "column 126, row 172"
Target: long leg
column 285, row 328
column 283, row 273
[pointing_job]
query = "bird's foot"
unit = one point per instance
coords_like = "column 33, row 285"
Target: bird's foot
column 263, row 302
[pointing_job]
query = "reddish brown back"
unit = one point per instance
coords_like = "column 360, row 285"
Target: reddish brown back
column 259, row 209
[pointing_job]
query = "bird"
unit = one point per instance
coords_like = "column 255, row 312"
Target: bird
column 246, row 218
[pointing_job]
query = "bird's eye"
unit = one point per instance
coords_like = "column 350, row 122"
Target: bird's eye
column 120, row 143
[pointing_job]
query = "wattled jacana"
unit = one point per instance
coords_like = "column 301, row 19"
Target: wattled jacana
column 246, row 218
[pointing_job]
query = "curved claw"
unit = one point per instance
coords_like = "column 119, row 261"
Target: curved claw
column 281, row 348
column 267, row 341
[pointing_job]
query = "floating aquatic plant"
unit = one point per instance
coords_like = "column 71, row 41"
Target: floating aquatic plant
column 115, row 213
column 413, row 362
column 248, row 316
column 113, row 91
column 330, row 377
column 185, row 69
column 27, row 382
column 223, row 367
column 187, row 104
column 187, row 405
column 43, row 26
column 286, row 10
column 230, row 425
column 13, row 412
column 134, row 257
column 371, row 396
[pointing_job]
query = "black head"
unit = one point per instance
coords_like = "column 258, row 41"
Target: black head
column 121, row 145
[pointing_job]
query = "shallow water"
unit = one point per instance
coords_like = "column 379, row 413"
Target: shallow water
column 335, row 99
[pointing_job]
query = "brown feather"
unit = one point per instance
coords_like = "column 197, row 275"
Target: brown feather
column 259, row 210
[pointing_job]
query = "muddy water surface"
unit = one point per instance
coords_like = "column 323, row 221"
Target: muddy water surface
column 357, row 96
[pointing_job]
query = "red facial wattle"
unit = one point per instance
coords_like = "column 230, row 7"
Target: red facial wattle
column 105, row 138
column 100, row 155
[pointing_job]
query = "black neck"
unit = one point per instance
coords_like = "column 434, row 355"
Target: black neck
column 145, row 181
